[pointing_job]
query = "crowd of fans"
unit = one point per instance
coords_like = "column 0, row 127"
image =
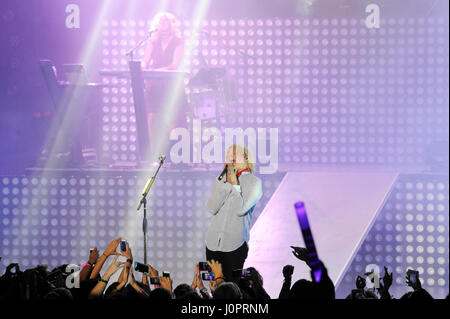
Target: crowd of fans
column 42, row 283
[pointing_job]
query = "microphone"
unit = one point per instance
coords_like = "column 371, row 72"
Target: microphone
column 149, row 32
column 150, row 182
column 224, row 172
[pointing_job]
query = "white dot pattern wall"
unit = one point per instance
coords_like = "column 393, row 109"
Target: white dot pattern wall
column 338, row 92
column 411, row 231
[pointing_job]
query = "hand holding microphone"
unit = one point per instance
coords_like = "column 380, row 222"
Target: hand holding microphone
column 231, row 175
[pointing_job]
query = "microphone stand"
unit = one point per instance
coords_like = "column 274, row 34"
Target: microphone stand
column 130, row 52
column 143, row 201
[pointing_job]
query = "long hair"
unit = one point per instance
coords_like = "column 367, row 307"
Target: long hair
column 174, row 24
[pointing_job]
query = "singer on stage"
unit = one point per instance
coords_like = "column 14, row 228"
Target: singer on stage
column 235, row 194
column 164, row 52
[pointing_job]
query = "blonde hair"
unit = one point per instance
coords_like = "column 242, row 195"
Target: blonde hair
column 174, row 23
column 247, row 156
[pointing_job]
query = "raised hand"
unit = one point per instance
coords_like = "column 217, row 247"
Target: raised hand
column 384, row 284
column 112, row 247
column 10, row 267
column 115, row 266
column 127, row 253
column 131, row 279
column 166, row 282
column 288, row 270
column 216, row 267
column 100, row 287
column 133, row 283
column 153, row 271
column 301, row 253
column 200, row 284
column 360, row 282
column 195, row 280
column 414, row 284
column 231, row 175
column 93, row 256
column 110, row 250
column 212, row 285
column 387, row 278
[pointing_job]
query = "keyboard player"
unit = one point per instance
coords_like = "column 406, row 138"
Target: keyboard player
column 164, row 52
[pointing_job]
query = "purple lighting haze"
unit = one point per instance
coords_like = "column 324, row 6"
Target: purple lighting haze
column 357, row 92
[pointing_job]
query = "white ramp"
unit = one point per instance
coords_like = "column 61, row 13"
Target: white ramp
column 341, row 208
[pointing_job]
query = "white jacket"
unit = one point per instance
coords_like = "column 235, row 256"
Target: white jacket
column 232, row 209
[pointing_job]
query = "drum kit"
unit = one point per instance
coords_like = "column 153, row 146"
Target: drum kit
column 211, row 95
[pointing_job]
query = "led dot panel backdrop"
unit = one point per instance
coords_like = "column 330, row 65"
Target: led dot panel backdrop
column 55, row 220
column 411, row 231
column 338, row 92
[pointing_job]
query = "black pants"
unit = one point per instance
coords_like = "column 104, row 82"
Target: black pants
column 230, row 260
